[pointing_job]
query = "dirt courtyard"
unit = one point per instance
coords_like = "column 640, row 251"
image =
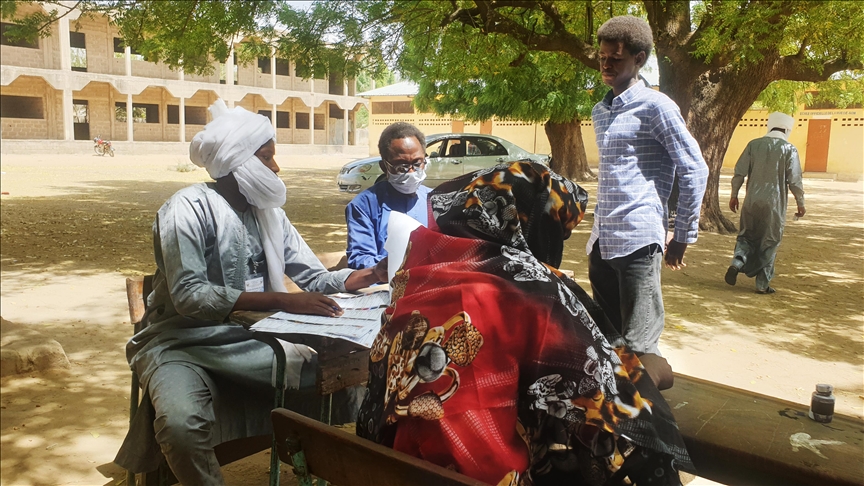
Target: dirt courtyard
column 73, row 227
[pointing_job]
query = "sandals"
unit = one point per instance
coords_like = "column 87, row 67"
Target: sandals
column 769, row 290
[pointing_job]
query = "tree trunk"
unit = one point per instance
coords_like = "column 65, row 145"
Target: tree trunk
column 712, row 104
column 568, row 150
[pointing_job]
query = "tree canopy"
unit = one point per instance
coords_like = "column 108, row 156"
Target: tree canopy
column 715, row 58
column 518, row 59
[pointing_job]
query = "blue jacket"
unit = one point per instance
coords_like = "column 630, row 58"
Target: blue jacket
column 367, row 215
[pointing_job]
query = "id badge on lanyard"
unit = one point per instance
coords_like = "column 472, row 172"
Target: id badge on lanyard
column 255, row 283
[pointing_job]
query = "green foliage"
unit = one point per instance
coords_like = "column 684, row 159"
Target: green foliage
column 364, row 80
column 362, row 118
column 510, row 59
column 784, row 96
column 474, row 75
column 191, row 34
column 30, row 27
column 844, row 90
column 542, row 87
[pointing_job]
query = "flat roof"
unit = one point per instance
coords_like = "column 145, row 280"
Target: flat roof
column 402, row 88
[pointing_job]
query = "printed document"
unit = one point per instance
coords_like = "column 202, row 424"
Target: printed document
column 359, row 323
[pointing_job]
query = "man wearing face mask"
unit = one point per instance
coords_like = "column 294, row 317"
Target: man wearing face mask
column 403, row 159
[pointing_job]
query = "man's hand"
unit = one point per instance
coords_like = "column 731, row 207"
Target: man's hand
column 314, row 303
column 733, row 204
column 658, row 369
column 367, row 277
column 800, row 212
column 380, row 270
column 675, row 255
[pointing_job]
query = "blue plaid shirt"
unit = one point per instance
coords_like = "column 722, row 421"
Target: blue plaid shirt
column 643, row 143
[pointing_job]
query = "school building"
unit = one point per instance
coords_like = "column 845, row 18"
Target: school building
column 829, row 140
column 82, row 82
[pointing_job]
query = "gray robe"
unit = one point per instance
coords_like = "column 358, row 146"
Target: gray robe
column 772, row 168
column 203, row 249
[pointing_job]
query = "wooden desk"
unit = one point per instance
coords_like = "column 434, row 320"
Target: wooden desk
column 340, row 363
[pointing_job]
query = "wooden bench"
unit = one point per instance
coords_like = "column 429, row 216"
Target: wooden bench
column 733, row 436
column 739, row 437
column 332, row 454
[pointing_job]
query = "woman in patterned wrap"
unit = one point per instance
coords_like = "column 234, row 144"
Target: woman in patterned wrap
column 493, row 363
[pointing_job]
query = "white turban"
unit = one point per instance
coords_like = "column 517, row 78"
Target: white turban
column 228, row 145
column 780, row 120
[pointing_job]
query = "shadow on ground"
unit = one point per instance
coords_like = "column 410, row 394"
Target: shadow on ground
column 65, row 424
column 819, row 274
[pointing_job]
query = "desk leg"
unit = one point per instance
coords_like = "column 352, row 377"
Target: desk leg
column 327, row 409
column 326, row 417
column 279, row 402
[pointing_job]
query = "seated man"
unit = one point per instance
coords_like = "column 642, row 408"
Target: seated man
column 221, row 247
column 403, row 159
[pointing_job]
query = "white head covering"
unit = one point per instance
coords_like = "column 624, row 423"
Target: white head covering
column 780, row 120
column 228, row 145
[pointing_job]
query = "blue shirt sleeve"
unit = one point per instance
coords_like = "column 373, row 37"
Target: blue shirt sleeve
column 669, row 129
column 363, row 219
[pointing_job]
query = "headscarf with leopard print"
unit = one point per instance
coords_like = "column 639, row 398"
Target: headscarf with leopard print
column 524, row 205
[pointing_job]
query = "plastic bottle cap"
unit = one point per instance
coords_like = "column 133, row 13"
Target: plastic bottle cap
column 824, row 388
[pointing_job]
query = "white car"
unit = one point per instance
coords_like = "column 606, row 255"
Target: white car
column 450, row 155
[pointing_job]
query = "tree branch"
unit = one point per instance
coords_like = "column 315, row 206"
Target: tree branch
column 52, row 19
column 793, row 69
column 485, row 16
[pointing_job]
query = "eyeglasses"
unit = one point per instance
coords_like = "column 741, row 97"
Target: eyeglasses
column 417, row 165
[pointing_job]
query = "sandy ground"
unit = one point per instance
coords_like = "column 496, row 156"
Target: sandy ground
column 74, row 227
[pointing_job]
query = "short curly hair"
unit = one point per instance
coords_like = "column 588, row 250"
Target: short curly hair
column 634, row 32
column 395, row 132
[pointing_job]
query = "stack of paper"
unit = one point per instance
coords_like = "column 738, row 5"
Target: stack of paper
column 359, row 323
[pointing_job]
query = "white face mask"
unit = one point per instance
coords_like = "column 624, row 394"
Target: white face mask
column 407, row 183
column 261, row 186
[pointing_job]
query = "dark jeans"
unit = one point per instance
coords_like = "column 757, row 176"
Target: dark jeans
column 628, row 290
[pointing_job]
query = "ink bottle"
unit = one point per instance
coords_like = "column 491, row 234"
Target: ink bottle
column 822, row 403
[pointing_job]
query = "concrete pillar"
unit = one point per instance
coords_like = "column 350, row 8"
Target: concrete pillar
column 129, row 121
column 311, row 125
column 273, row 117
column 127, row 52
column 65, row 47
column 182, row 116
column 229, row 77
column 345, row 127
column 68, row 114
column 182, row 111
column 273, row 69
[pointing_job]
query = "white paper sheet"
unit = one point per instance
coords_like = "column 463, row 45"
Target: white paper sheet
column 399, row 228
column 359, row 323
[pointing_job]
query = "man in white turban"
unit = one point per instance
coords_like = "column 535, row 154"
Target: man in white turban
column 220, row 247
column 771, row 166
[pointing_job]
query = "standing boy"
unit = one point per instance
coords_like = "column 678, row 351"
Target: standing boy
column 643, row 143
